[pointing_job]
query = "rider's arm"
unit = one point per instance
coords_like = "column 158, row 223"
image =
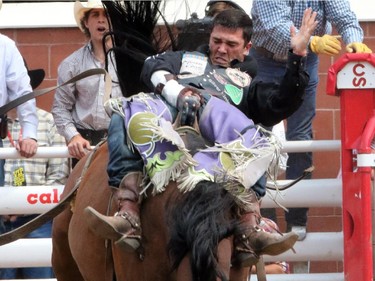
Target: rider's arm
column 269, row 103
column 168, row 62
column 159, row 74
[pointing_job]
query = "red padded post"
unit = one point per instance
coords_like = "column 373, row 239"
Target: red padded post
column 352, row 78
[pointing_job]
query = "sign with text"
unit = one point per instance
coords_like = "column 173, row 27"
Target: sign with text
column 356, row 75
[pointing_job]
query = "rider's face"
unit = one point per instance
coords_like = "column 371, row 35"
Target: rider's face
column 227, row 44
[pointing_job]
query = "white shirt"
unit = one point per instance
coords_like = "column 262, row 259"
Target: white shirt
column 14, row 83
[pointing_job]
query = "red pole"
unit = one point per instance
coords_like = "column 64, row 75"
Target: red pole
column 352, row 77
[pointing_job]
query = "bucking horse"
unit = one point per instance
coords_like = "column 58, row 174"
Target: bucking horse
column 183, row 237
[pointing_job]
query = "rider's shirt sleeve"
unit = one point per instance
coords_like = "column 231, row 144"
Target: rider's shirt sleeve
column 167, row 61
column 269, row 103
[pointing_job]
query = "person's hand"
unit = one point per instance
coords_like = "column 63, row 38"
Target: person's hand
column 78, row 146
column 327, row 44
column 299, row 41
column 272, row 268
column 27, row 147
column 188, row 103
column 357, row 47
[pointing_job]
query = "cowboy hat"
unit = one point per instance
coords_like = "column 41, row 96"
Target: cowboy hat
column 36, row 75
column 80, row 9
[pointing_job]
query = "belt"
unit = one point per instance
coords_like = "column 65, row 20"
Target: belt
column 268, row 54
column 93, row 136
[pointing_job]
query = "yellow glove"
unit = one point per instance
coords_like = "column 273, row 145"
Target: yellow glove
column 357, row 47
column 327, row 44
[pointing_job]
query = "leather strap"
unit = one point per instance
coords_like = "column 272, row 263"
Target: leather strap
column 25, row 229
column 273, row 186
column 260, row 269
column 108, row 85
column 47, row 216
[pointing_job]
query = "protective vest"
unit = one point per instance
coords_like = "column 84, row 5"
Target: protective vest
column 228, row 84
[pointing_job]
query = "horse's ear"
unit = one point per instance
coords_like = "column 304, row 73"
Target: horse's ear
column 133, row 30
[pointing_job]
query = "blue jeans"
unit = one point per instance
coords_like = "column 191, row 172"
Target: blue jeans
column 33, row 272
column 121, row 159
column 299, row 125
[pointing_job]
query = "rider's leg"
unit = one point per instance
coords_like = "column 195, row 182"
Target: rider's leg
column 125, row 176
column 252, row 240
column 124, row 227
column 122, row 160
column 141, row 128
column 245, row 155
column 241, row 152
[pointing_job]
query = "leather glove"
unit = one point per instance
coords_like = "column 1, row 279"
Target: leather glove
column 327, row 44
column 188, row 103
column 357, row 47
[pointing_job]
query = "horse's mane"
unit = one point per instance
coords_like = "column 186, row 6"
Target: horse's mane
column 208, row 208
column 136, row 36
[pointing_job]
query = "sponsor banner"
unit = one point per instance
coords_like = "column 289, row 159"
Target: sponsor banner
column 28, row 199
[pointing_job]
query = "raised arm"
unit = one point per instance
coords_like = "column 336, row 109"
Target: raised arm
column 269, row 103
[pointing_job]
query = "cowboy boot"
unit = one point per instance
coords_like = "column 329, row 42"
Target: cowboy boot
column 252, row 241
column 124, row 227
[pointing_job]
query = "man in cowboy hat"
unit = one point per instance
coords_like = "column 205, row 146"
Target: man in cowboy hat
column 78, row 108
column 14, row 83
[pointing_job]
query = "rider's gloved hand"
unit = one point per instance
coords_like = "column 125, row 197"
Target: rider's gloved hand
column 188, row 103
column 327, row 44
column 357, row 47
